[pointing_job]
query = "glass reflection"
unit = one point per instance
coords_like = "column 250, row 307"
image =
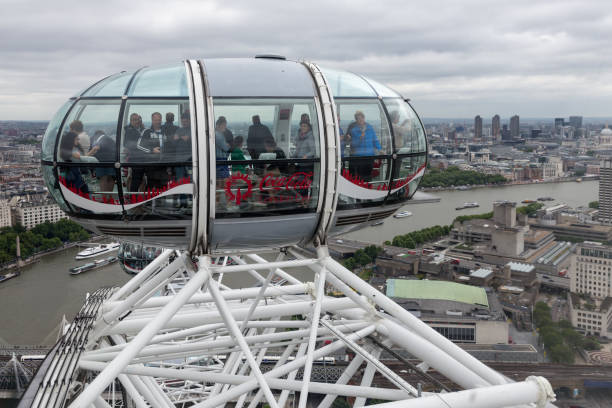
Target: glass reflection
column 408, row 133
column 48, row 143
column 145, row 195
column 112, row 86
column 268, row 187
column 54, row 187
column 170, row 80
column 89, row 132
column 407, row 174
column 89, row 192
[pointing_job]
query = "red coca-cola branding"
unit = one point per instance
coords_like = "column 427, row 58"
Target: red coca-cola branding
column 235, row 191
column 272, row 188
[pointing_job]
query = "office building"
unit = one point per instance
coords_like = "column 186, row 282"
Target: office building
column 575, row 122
column 478, row 127
column 514, row 127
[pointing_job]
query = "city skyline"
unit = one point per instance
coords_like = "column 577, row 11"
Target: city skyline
column 539, row 60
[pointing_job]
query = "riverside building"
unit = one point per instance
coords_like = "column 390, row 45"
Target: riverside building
column 31, row 213
column 591, row 289
column 5, row 214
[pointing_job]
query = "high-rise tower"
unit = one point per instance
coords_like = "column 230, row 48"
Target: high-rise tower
column 496, row 128
column 605, row 191
column 478, row 127
column 514, row 127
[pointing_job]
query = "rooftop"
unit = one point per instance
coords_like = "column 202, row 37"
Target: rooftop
column 520, row 267
column 437, row 290
column 481, row 273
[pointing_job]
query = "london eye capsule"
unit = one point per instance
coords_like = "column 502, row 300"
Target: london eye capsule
column 228, row 154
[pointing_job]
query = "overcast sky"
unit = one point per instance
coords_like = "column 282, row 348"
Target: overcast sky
column 452, row 58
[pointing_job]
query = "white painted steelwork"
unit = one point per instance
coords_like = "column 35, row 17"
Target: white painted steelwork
column 204, row 344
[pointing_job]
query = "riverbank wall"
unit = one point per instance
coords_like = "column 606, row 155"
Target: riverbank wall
column 509, row 184
column 37, row 256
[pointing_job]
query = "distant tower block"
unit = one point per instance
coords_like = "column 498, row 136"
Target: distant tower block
column 605, row 191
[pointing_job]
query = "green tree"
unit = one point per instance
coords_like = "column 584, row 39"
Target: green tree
column 594, row 204
column 561, row 353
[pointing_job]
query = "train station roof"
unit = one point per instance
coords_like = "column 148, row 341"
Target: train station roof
column 437, row 290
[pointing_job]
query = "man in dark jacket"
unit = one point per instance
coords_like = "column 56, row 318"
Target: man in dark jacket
column 132, row 154
column 168, row 128
column 255, row 139
column 151, row 144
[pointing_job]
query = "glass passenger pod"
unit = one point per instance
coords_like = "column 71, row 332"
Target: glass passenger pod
column 267, row 153
column 134, row 257
column 383, row 146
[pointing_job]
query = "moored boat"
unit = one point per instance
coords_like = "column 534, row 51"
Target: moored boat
column 92, row 265
column 9, row 276
column 97, row 250
column 467, row 205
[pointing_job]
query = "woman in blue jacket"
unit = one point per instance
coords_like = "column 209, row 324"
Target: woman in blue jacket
column 364, row 142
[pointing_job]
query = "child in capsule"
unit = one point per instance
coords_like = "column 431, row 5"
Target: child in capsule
column 236, row 153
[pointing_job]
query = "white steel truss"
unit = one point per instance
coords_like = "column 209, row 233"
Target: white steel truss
column 176, row 336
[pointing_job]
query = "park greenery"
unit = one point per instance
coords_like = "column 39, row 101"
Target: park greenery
column 529, row 209
column 362, row 258
column 594, row 204
column 560, row 339
column 484, row 216
column 43, row 237
column 454, row 176
column 412, row 239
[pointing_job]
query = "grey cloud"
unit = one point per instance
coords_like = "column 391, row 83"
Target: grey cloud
column 463, row 58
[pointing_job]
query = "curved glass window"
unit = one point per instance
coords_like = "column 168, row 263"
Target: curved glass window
column 169, row 80
column 156, row 159
column 48, row 144
column 86, row 154
column 268, row 154
column 347, row 85
column 383, row 90
column 112, row 86
column 54, row 187
column 152, row 128
column 410, row 148
column 89, row 132
column 408, row 133
column 365, row 143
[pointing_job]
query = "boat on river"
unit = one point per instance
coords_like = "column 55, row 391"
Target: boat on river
column 9, row 276
column 467, row 205
column 528, row 201
column 93, row 265
column 403, row 214
column 97, row 250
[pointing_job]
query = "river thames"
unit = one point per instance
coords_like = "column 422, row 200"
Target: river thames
column 32, row 305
